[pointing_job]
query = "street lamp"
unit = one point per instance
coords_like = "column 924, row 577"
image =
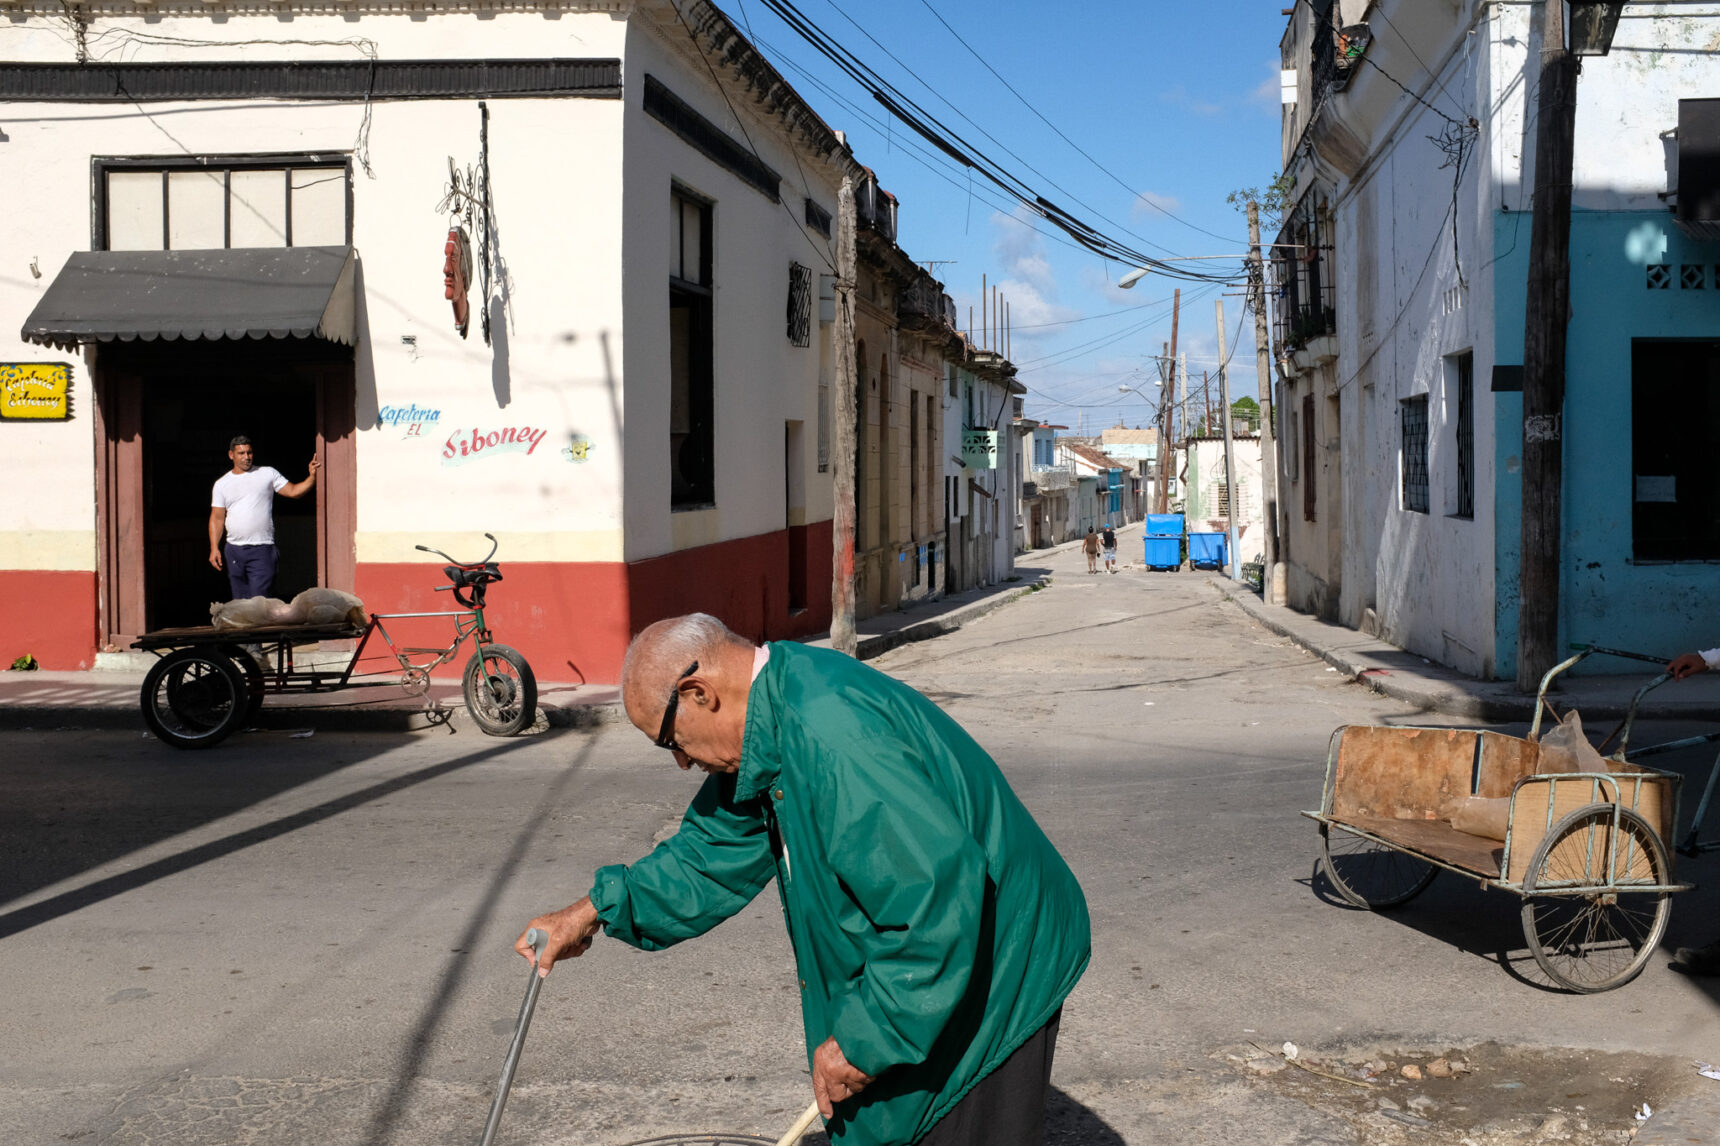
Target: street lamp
column 1593, row 23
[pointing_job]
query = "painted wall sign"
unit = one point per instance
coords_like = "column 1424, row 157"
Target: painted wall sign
column 465, row 446
column 35, row 392
column 413, row 417
column 578, row 450
column 979, row 449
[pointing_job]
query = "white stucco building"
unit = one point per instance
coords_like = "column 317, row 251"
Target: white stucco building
column 235, row 221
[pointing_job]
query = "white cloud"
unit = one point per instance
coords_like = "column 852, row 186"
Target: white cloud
column 1021, row 249
column 1146, row 202
column 1179, row 97
column 1269, row 92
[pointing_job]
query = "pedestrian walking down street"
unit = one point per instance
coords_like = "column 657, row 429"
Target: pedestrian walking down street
column 1109, row 538
column 936, row 930
column 1090, row 546
column 243, row 506
column 1696, row 960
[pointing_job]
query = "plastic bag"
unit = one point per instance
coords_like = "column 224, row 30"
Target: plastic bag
column 1566, row 749
column 250, row 613
column 327, row 607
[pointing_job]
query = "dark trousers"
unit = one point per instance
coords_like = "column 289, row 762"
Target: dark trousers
column 1007, row 1106
column 250, row 569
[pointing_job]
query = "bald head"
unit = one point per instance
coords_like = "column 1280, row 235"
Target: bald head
column 662, row 652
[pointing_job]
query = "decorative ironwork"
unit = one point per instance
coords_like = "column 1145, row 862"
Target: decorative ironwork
column 799, row 304
column 1659, row 276
column 1414, row 454
column 1693, row 276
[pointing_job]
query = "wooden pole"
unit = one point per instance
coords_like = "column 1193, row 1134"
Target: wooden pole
column 1176, row 311
column 1271, row 579
column 1546, row 317
column 842, row 636
column 1231, row 559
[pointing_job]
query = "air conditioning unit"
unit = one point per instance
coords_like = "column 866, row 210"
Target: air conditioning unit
column 1698, row 210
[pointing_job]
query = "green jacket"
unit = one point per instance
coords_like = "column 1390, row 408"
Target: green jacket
column 934, row 926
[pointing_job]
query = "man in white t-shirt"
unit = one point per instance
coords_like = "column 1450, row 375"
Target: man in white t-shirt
column 243, row 505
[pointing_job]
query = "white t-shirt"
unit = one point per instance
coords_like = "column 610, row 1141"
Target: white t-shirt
column 249, row 500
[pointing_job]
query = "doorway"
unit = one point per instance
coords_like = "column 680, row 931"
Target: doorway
column 166, row 412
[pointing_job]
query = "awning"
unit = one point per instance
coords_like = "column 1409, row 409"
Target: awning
column 277, row 292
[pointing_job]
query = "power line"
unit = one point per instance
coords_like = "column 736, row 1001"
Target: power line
column 939, row 135
column 1078, row 148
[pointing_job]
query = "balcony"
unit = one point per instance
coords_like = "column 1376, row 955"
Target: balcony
column 1305, row 314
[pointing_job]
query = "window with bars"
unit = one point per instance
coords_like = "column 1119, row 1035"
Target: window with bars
column 1413, row 457
column 1224, row 499
column 799, row 304
column 1463, row 377
column 823, row 423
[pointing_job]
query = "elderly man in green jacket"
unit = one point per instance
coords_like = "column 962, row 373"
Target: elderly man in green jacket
column 936, row 930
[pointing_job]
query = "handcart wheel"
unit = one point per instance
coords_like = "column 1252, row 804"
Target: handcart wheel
column 194, row 698
column 1589, row 932
column 253, row 673
column 500, row 690
column 1370, row 874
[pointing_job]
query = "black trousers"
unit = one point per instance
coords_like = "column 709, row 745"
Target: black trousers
column 1007, row 1107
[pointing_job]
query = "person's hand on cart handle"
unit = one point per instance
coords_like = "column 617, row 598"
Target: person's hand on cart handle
column 1689, row 664
column 569, row 933
column 834, row 1078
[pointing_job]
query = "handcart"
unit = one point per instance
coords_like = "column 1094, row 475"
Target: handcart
column 1585, row 851
column 209, row 682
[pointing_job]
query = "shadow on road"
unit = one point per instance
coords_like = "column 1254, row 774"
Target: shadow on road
column 62, row 817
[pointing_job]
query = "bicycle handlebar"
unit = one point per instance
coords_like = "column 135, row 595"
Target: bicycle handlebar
column 494, row 545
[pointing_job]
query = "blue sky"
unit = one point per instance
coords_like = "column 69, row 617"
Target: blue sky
column 1177, row 102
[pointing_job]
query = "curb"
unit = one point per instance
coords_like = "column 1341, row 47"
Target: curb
column 397, row 717
column 881, row 643
column 1496, row 702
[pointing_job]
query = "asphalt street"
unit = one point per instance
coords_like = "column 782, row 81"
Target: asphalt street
column 288, row 940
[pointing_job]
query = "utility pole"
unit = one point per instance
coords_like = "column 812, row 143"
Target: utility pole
column 842, row 635
column 1272, row 576
column 1546, row 318
column 1167, row 374
column 1231, row 557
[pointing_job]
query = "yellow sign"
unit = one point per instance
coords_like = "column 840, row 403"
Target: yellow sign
column 35, row 391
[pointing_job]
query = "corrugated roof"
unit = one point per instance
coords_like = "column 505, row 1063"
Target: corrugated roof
column 281, row 292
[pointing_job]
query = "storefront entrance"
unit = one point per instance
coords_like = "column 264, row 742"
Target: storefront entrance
column 166, row 411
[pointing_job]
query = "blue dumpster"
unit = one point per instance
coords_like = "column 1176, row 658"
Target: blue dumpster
column 1163, row 552
column 1164, row 525
column 1207, row 550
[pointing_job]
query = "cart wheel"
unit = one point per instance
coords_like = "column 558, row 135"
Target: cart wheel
column 194, row 698
column 1372, row 875
column 501, row 692
column 1587, row 934
column 253, row 673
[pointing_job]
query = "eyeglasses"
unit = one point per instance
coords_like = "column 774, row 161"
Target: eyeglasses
column 666, row 734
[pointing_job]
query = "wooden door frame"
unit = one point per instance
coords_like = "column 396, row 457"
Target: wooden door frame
column 121, row 605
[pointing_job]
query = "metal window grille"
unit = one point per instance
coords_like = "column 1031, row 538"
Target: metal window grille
column 1659, row 276
column 1414, row 460
column 1465, row 435
column 799, row 304
column 1693, row 276
column 823, row 424
column 1224, row 499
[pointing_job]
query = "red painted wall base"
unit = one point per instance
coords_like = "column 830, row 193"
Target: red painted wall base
column 573, row 620
column 50, row 614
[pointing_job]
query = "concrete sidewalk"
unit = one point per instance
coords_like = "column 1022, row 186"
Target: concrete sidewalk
column 110, row 699
column 1413, row 679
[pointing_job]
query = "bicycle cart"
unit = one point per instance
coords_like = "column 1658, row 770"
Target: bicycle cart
column 1584, row 851
column 208, row 682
